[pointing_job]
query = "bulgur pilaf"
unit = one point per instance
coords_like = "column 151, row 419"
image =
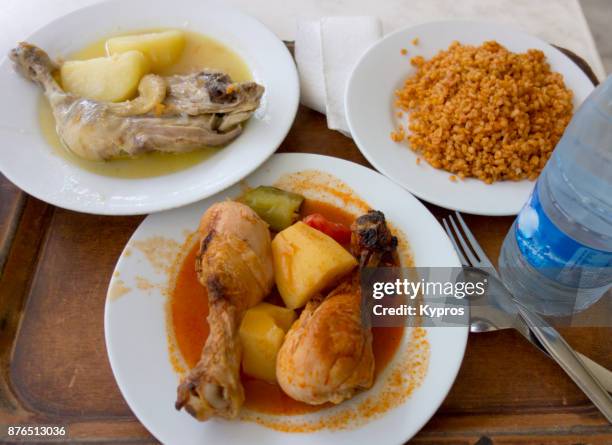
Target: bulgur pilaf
column 484, row 112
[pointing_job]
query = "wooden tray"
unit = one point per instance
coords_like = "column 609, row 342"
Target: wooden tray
column 55, row 267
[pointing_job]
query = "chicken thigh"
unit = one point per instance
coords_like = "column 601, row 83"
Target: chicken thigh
column 234, row 264
column 327, row 354
column 203, row 109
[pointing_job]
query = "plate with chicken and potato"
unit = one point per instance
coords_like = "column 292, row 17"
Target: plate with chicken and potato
column 132, row 108
column 238, row 318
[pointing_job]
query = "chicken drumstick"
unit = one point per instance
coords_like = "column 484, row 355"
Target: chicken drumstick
column 327, row 354
column 234, row 264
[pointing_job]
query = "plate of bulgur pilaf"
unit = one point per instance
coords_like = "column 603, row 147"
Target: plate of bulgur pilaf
column 463, row 114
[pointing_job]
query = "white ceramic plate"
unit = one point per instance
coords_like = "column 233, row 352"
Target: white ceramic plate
column 371, row 114
column 135, row 325
column 28, row 161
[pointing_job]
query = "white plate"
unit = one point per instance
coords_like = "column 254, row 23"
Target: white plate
column 28, row 161
column 371, row 114
column 135, row 326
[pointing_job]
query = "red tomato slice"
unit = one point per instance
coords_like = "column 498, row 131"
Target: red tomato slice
column 337, row 231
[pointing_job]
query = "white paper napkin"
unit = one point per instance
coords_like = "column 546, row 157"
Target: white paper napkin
column 326, row 51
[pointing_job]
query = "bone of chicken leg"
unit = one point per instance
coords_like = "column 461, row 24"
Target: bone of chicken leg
column 327, row 354
column 211, row 117
column 234, row 264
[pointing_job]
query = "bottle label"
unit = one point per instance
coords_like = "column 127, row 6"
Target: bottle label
column 557, row 255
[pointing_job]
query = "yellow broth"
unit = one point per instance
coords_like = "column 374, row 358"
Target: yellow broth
column 200, row 52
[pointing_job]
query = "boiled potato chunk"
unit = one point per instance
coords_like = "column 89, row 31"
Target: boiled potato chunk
column 261, row 339
column 110, row 79
column 161, row 48
column 282, row 316
column 307, row 261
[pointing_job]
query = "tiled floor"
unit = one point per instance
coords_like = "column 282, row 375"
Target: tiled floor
column 599, row 16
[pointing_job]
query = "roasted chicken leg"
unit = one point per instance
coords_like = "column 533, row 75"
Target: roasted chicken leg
column 234, row 264
column 196, row 110
column 327, row 354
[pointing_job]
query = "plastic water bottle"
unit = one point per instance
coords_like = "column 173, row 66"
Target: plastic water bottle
column 557, row 256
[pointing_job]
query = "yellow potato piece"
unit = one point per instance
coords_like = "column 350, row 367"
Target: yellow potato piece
column 261, row 339
column 110, row 79
column 161, row 48
column 306, row 261
column 282, row 316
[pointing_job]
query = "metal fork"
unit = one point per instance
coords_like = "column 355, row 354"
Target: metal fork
column 471, row 254
column 476, row 256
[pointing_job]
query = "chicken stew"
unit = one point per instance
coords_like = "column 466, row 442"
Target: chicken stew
column 180, row 97
column 253, row 354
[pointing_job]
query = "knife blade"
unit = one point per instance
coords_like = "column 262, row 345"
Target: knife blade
column 565, row 356
column 498, row 310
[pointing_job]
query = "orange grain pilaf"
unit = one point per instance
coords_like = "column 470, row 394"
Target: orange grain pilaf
column 484, row 112
column 399, row 134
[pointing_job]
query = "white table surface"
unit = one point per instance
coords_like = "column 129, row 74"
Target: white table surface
column 560, row 22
